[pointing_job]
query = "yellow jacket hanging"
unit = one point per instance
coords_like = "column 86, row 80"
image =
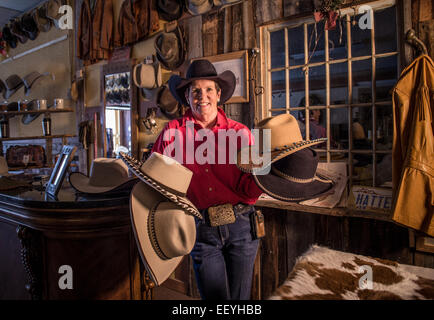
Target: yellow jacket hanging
column 413, row 144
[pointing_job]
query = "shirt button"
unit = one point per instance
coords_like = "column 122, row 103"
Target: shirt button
column 206, row 170
column 210, row 189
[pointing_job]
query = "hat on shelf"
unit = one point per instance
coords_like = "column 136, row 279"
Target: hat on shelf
column 285, row 139
column 9, row 37
column 167, row 102
column 147, row 75
column 170, row 49
column 52, row 12
column 13, row 83
column 198, row 7
column 40, row 16
column 170, row 10
column 29, row 26
column 31, row 78
column 29, row 117
column 16, row 30
column 106, row 175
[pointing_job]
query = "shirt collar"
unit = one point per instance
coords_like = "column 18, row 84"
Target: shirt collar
column 222, row 120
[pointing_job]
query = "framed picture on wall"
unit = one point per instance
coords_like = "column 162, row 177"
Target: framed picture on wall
column 237, row 62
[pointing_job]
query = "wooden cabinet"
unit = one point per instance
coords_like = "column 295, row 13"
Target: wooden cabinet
column 91, row 236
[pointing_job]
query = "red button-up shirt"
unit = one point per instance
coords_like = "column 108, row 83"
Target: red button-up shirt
column 212, row 183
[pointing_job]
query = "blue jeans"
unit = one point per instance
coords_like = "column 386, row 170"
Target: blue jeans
column 223, row 259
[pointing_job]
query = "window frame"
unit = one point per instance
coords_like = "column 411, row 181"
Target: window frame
column 265, row 71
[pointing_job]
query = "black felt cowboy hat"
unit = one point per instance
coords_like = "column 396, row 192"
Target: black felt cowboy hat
column 167, row 103
column 295, row 178
column 200, row 70
column 30, row 26
column 170, row 10
column 9, row 37
column 17, row 30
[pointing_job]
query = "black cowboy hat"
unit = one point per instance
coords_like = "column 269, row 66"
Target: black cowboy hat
column 294, row 178
column 30, row 26
column 10, row 38
column 202, row 69
column 17, row 30
column 170, row 10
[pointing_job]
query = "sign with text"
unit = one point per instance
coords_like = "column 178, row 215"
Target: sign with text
column 370, row 199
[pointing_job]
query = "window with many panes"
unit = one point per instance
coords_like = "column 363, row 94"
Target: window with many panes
column 338, row 84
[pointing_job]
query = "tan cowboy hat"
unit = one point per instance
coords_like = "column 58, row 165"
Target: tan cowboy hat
column 164, row 232
column 286, row 139
column 147, row 75
column 106, row 175
column 165, row 175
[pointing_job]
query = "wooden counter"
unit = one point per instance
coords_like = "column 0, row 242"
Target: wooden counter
column 92, row 235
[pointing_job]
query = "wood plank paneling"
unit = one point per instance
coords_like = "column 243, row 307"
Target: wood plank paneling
column 210, row 34
column 267, row 10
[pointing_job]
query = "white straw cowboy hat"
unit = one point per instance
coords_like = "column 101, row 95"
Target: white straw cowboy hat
column 286, row 139
column 164, row 232
column 106, row 175
column 166, row 176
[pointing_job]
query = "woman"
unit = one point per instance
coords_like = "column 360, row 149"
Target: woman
column 225, row 248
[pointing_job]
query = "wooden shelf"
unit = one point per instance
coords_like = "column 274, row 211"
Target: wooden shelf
column 338, row 211
column 39, row 137
column 14, row 113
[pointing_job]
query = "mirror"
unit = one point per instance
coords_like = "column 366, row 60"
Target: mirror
column 120, row 110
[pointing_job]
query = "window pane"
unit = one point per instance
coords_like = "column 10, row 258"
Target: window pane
column 338, row 41
column 383, row 174
column 317, row 83
column 317, row 126
column 296, row 45
column 385, row 30
column 384, row 124
column 278, row 89
column 296, row 87
column 339, row 128
column 362, row 84
column 277, row 44
column 275, row 113
column 361, row 39
column 362, row 169
column 386, row 75
column 339, row 83
column 300, row 116
column 362, row 128
column 315, row 42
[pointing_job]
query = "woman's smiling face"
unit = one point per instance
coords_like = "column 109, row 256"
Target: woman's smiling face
column 203, row 97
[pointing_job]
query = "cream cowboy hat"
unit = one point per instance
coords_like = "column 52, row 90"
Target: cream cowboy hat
column 286, row 139
column 164, row 232
column 166, row 176
column 106, row 175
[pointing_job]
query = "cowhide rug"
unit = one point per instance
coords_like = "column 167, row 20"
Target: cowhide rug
column 322, row 273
